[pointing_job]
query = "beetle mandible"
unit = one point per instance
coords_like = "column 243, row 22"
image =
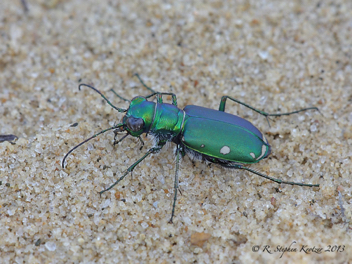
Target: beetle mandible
column 207, row 134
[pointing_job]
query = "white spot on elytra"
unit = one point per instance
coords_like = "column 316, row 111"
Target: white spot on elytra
column 263, row 152
column 225, row 150
column 264, row 139
column 202, row 146
column 252, row 154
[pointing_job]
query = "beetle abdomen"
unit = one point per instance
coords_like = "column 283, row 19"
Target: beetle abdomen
column 223, row 136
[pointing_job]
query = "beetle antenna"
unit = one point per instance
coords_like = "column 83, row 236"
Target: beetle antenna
column 142, row 82
column 121, row 110
column 80, row 144
column 119, row 96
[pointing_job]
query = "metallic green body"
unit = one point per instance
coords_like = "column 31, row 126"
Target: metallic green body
column 206, row 131
column 223, row 136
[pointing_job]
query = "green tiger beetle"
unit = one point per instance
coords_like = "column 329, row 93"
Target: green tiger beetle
column 202, row 133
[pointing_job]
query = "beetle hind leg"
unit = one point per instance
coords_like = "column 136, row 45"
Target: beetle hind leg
column 241, row 167
column 225, row 97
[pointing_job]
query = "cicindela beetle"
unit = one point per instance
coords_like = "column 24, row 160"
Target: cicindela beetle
column 206, row 134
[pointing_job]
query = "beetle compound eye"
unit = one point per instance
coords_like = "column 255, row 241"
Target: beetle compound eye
column 135, row 124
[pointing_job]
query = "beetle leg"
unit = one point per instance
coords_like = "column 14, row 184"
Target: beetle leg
column 176, row 182
column 159, row 97
column 142, row 142
column 182, row 150
column 131, row 168
column 223, row 104
column 240, row 167
column 117, row 141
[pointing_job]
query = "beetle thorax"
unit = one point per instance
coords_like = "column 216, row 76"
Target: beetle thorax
column 167, row 122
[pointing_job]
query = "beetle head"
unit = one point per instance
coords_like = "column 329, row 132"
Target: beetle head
column 139, row 116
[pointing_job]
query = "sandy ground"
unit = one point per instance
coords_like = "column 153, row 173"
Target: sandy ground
column 278, row 56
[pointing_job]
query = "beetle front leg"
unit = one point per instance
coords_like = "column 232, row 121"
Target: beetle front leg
column 175, row 182
column 117, row 141
column 142, row 142
column 131, row 168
